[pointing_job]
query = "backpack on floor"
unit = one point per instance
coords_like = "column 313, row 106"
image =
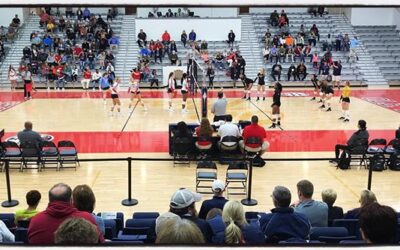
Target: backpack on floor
column 344, row 160
column 258, row 162
column 394, row 161
column 377, row 162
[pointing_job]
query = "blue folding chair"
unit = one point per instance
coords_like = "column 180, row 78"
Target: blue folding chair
column 8, row 219
column 119, row 220
column 21, row 234
column 110, row 229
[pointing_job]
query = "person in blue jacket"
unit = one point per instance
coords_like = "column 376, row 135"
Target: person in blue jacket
column 105, row 86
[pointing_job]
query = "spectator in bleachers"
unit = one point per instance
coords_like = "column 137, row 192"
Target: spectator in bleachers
column 268, row 38
column 312, row 39
column 329, row 197
column 237, row 230
column 353, row 49
column 16, row 21
column 113, row 42
column 307, row 52
column 87, row 77
column 315, row 30
column 327, row 44
column 60, row 84
column 298, row 53
column 292, row 72
column 378, row 224
column 266, row 52
column 203, row 46
column 211, row 74
column 184, row 38
column 338, row 42
column 180, row 231
column 142, row 38
column 109, row 59
column 144, row 52
column 219, row 61
column 316, row 211
column 231, row 38
column 79, row 14
column 283, row 13
column 96, row 76
column 282, row 21
column 5, row 234
column 367, row 197
column 274, row 18
column 183, row 204
column 86, row 13
column 172, row 47
column 173, row 57
column 299, row 41
column 314, row 60
column 192, row 36
column 218, row 200
column 84, row 200
column 48, row 43
column 301, row 71
column 274, row 53
column 11, row 32
column 346, row 42
column 282, row 54
column 166, row 38
column 276, row 71
column 32, row 199
column 158, row 55
column 44, row 18
column 76, row 231
column 43, row 226
column 283, row 222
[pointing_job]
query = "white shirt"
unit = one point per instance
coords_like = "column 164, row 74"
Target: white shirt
column 5, row 234
column 96, row 76
column 115, row 88
column 228, row 129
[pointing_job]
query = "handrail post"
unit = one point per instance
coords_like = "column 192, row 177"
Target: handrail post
column 9, row 202
column 249, row 201
column 129, row 201
column 369, row 177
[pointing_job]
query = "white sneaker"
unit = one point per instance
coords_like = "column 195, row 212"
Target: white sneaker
column 184, row 111
column 48, row 88
column 94, row 89
column 170, row 109
column 63, row 89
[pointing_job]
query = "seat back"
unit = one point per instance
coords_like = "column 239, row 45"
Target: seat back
column 237, row 165
column 352, row 226
column 182, row 145
column 23, row 223
column 378, row 141
column 206, row 165
column 110, row 229
column 30, row 149
column 204, row 142
column 10, row 146
column 145, row 215
column 21, row 235
column 360, row 147
column 8, row 219
column 66, row 144
column 317, row 232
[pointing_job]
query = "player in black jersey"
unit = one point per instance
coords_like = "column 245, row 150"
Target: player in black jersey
column 317, row 85
column 328, row 93
column 324, row 86
column 248, row 84
column 276, row 104
column 261, row 84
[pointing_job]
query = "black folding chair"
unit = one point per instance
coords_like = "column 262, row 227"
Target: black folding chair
column 30, row 152
column 68, row 154
column 206, row 171
column 49, row 155
column 12, row 152
column 182, row 147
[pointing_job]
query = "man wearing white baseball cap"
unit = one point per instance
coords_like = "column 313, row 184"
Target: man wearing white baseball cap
column 218, row 200
column 183, row 204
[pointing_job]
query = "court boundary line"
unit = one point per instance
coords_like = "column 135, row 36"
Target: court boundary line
column 129, row 117
column 264, row 113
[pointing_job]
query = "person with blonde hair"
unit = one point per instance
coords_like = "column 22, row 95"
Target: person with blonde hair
column 179, row 231
column 237, row 230
column 366, row 197
column 329, row 197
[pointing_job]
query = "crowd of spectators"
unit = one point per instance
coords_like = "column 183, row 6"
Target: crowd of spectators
column 67, row 47
column 7, row 35
column 69, row 219
column 169, row 14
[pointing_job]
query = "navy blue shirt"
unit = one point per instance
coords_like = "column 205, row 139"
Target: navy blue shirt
column 215, row 202
column 202, row 225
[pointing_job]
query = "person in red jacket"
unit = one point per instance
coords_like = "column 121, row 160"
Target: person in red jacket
column 43, row 225
column 254, row 130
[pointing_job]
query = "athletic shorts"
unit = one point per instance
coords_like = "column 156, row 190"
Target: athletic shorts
column 346, row 99
column 170, row 90
column 183, row 92
column 114, row 96
column 261, row 83
column 135, row 92
column 336, row 78
column 276, row 104
column 105, row 88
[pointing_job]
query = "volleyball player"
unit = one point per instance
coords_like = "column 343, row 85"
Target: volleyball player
column 322, row 93
column 134, row 89
column 104, row 86
column 261, row 84
column 328, row 93
column 276, row 104
column 317, row 85
column 345, row 100
column 184, row 92
column 171, row 90
column 248, row 84
column 115, row 96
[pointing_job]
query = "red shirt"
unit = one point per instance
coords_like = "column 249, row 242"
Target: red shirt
column 136, row 75
column 57, row 58
column 253, row 130
column 77, row 51
column 202, row 143
column 87, row 75
column 44, row 224
column 166, row 37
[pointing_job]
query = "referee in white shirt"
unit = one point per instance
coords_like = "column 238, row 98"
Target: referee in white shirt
column 219, row 108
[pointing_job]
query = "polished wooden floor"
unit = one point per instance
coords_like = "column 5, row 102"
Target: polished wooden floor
column 154, row 182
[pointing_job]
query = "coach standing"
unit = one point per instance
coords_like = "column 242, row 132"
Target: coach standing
column 219, row 107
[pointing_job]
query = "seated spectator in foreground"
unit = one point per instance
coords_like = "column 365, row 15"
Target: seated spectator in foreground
column 367, row 197
column 179, row 231
column 32, row 199
column 357, row 142
column 329, row 197
column 5, row 234
column 237, row 230
column 43, row 226
column 378, row 224
column 76, row 231
column 84, row 200
column 183, row 204
column 316, row 211
column 254, row 131
column 284, row 223
column 218, row 200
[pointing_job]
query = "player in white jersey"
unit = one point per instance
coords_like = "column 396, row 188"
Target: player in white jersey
column 171, row 90
column 115, row 96
column 135, row 92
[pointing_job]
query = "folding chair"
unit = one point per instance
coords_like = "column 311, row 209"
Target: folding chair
column 12, row 152
column 204, row 145
column 182, row 147
column 359, row 152
column 236, row 178
column 228, row 147
column 49, row 154
column 30, row 153
column 68, row 154
column 206, row 171
column 376, row 146
column 351, row 224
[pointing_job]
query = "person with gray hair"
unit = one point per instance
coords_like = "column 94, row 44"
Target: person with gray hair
column 329, row 197
column 284, row 223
